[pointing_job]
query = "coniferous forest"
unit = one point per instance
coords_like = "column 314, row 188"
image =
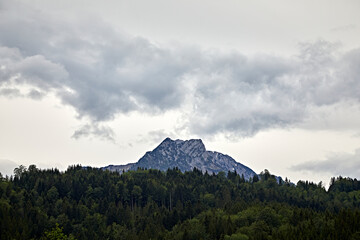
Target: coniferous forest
column 88, row 203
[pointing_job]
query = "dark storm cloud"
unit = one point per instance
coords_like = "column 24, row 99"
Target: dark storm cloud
column 101, row 72
column 337, row 164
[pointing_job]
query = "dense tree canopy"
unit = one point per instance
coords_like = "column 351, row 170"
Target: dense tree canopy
column 88, row 203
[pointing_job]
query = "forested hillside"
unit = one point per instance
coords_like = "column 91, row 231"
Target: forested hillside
column 88, row 203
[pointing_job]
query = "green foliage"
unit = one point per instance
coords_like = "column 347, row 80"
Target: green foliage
column 56, row 233
column 19, row 171
column 236, row 236
column 88, row 203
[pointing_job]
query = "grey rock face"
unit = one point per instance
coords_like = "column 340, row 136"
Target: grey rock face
column 118, row 168
column 185, row 155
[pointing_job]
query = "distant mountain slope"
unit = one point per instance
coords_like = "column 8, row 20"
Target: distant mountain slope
column 185, row 155
column 118, row 168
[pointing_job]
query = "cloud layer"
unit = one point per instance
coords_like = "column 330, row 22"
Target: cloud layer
column 101, row 72
column 337, row 164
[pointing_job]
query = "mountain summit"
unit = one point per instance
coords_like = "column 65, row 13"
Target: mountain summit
column 185, row 155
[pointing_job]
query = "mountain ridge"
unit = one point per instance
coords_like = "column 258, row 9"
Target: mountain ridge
column 185, row 155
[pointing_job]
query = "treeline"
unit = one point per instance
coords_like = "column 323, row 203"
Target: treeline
column 88, row 203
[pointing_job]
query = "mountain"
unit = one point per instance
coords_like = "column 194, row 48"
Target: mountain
column 185, row 155
column 118, row 168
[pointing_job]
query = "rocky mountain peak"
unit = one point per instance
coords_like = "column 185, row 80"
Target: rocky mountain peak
column 187, row 154
column 193, row 147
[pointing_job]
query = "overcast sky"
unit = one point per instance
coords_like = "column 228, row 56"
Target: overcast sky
column 273, row 84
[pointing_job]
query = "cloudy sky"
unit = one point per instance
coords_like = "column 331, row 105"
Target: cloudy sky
column 273, row 84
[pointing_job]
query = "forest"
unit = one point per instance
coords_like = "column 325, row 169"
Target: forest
column 89, row 203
